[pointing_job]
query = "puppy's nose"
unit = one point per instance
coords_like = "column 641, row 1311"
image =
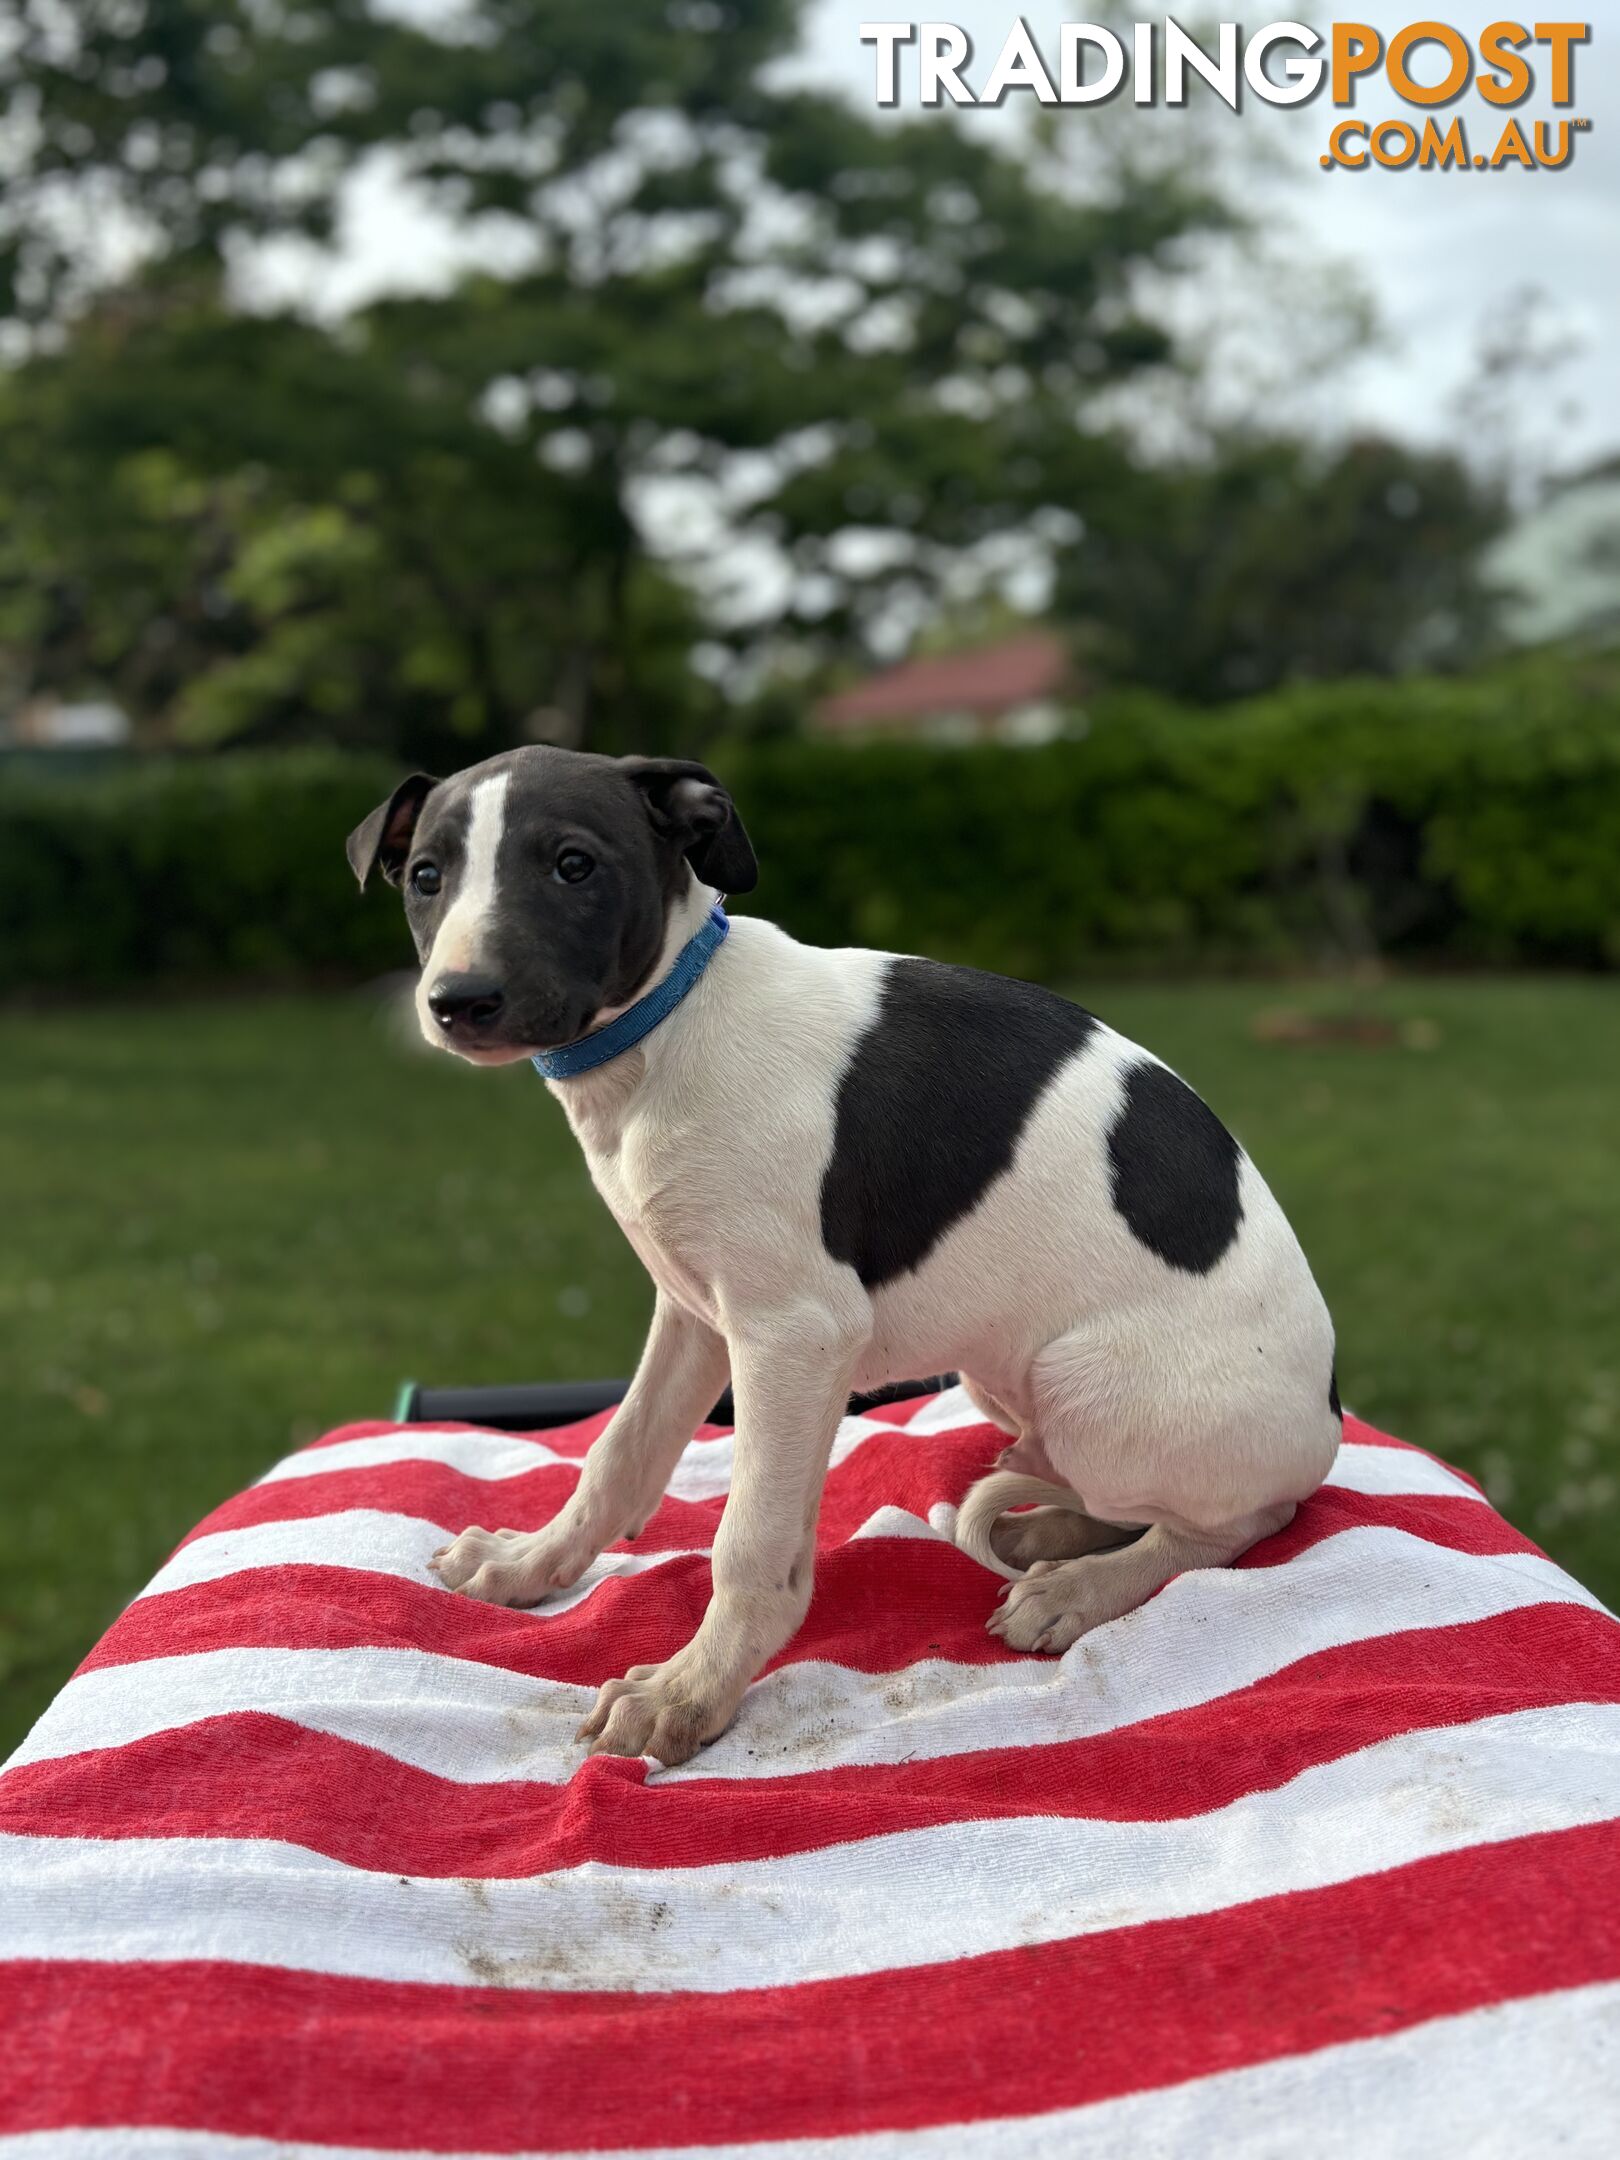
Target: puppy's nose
column 470, row 998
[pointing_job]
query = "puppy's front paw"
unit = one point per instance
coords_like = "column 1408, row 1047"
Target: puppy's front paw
column 652, row 1711
column 509, row 1567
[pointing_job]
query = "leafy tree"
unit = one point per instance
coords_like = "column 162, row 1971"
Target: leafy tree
column 251, row 531
column 1271, row 561
column 866, row 351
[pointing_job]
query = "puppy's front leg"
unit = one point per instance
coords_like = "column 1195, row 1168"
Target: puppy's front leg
column 791, row 1377
column 682, row 1370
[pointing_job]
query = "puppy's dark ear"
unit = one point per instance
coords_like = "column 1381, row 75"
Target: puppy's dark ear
column 383, row 840
column 687, row 804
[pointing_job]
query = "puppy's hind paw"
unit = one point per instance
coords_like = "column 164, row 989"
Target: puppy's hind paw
column 1047, row 1611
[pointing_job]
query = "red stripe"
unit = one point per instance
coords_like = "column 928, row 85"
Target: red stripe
column 880, row 1603
column 1360, row 1434
column 1448, row 1519
column 888, row 1469
column 356, row 1429
column 250, row 1775
column 902, row 1413
column 576, row 1438
column 566, row 1439
column 260, row 2051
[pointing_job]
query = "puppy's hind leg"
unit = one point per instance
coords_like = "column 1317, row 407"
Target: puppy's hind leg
column 997, row 1412
column 1058, row 1527
column 1054, row 1533
column 1008, row 1544
column 1054, row 1605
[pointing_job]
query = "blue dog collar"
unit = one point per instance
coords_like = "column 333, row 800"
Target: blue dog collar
column 644, row 1015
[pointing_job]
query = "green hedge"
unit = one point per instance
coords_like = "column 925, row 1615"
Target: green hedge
column 1475, row 820
column 1471, row 820
column 201, row 870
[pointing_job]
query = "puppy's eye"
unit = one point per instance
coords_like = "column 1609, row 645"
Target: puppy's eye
column 425, row 879
column 572, row 865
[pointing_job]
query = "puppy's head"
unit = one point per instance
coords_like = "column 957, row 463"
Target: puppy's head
column 539, row 887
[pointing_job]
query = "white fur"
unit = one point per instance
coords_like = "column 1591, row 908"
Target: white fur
column 1195, row 1404
column 976, row 1518
column 458, row 946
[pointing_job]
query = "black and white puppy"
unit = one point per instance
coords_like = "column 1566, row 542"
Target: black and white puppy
column 842, row 1168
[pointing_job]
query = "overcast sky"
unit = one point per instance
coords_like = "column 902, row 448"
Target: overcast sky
column 1440, row 252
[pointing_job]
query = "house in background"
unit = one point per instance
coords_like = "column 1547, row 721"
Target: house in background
column 53, row 723
column 1560, row 564
column 1020, row 690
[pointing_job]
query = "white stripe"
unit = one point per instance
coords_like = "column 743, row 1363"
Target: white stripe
column 1536, row 2076
column 945, row 1412
column 1209, row 1632
column 1362, row 1469
column 457, row 943
column 705, row 1469
column 479, row 1454
column 380, row 1542
column 913, row 1897
column 374, row 1543
column 901, row 1523
column 703, row 1472
column 369, row 1541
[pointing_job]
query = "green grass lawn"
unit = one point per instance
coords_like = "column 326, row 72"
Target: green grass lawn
column 230, row 1226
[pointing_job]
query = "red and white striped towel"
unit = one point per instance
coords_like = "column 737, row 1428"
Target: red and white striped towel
column 1316, row 1855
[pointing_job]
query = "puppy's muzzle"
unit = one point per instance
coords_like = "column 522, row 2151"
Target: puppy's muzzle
column 469, row 1004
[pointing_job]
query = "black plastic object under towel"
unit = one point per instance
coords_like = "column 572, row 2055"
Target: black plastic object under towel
column 561, row 1402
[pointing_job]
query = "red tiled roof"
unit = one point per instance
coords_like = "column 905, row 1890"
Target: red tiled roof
column 993, row 679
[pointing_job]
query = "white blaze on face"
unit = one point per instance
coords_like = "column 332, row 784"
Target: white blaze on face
column 460, row 945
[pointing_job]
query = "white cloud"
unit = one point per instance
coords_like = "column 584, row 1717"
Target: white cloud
column 1441, row 253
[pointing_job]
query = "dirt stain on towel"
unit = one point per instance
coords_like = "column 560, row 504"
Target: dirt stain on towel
column 619, row 1938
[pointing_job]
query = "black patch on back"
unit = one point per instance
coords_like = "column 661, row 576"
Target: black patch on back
column 931, row 1106
column 1334, row 1403
column 1175, row 1171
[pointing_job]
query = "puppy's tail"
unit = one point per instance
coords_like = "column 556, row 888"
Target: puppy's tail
column 990, row 1498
